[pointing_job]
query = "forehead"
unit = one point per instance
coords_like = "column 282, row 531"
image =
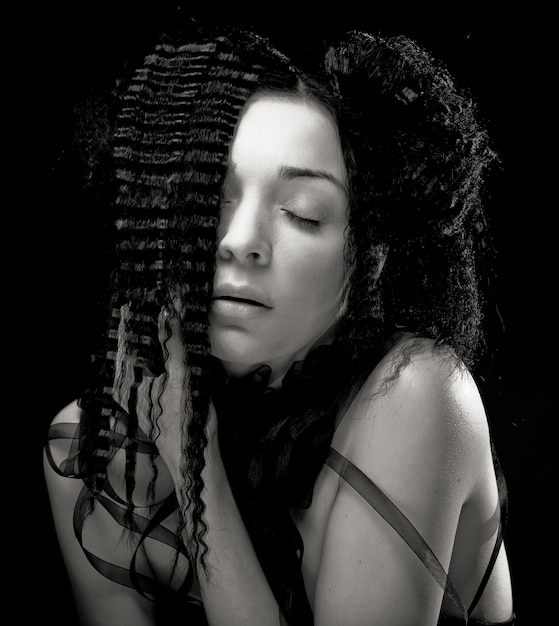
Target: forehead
column 277, row 130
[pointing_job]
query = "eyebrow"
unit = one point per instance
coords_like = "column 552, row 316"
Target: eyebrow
column 289, row 172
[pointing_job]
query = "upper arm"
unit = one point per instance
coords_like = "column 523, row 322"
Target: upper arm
column 417, row 443
column 99, row 600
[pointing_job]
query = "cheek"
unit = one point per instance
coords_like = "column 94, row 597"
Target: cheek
column 331, row 282
column 320, row 277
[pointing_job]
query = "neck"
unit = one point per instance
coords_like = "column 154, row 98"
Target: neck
column 279, row 366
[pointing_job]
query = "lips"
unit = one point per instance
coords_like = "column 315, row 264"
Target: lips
column 241, row 300
column 242, row 294
column 235, row 305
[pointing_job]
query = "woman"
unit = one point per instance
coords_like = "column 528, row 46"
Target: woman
column 284, row 428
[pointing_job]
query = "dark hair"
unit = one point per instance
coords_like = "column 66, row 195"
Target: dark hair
column 416, row 157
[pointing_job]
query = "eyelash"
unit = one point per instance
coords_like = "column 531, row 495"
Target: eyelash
column 304, row 221
column 301, row 220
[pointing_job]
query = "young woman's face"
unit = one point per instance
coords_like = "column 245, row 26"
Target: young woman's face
column 280, row 270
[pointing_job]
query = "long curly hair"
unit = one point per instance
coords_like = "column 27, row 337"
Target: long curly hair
column 154, row 155
column 417, row 158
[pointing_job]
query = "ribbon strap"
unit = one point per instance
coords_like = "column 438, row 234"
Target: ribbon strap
column 399, row 522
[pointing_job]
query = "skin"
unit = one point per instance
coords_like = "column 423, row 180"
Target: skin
column 281, row 235
column 424, row 440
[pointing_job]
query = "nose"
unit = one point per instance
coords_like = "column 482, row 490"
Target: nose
column 244, row 232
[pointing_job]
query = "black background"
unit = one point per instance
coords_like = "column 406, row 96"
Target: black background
column 504, row 59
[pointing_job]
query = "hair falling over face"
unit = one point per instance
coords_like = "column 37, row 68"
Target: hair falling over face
column 364, row 166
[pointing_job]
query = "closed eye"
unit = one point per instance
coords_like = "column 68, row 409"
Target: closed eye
column 304, row 221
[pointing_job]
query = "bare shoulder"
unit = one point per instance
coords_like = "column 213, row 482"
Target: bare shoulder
column 417, row 430
column 58, row 447
column 419, row 411
column 70, row 414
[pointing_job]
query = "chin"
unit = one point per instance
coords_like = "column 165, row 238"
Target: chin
column 237, row 358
